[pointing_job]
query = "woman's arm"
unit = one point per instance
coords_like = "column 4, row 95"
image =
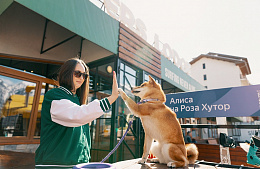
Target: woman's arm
column 67, row 113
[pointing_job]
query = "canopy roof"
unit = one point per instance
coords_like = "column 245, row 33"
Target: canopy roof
column 80, row 16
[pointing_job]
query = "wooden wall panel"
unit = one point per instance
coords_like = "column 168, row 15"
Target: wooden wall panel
column 9, row 159
column 139, row 38
column 151, row 59
column 139, row 48
column 211, row 153
column 131, row 38
column 135, row 50
column 139, row 59
column 134, row 62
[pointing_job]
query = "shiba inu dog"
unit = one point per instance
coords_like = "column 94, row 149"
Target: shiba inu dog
column 160, row 124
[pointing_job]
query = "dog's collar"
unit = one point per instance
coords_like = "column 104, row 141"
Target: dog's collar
column 147, row 100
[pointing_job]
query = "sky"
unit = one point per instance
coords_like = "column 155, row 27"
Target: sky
column 194, row 27
column 10, row 81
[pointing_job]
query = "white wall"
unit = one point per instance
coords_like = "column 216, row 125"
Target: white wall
column 220, row 74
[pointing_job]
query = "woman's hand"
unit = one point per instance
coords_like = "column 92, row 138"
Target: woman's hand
column 114, row 94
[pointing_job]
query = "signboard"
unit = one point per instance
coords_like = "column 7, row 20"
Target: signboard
column 172, row 74
column 226, row 102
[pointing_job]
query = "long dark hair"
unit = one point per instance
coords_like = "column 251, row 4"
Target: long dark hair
column 65, row 78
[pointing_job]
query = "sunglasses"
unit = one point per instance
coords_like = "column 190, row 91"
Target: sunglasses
column 78, row 74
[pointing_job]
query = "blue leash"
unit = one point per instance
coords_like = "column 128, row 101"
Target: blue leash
column 114, row 149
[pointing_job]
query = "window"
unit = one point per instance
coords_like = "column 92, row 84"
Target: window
column 130, row 76
column 146, row 77
column 212, row 132
column 127, row 77
column 21, row 95
column 236, row 132
column 204, row 66
column 16, row 106
column 205, row 77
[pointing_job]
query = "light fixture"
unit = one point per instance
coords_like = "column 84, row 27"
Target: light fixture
column 109, row 69
column 9, row 100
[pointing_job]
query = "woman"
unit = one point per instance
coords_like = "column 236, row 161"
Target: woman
column 65, row 136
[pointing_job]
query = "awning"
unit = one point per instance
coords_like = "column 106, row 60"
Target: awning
column 175, row 76
column 80, row 16
column 4, row 5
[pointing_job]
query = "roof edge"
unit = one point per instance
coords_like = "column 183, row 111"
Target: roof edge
column 242, row 62
column 4, row 5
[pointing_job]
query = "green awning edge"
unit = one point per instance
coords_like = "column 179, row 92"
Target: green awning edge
column 4, row 4
column 173, row 71
column 81, row 17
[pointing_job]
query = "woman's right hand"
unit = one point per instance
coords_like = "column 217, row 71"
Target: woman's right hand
column 112, row 98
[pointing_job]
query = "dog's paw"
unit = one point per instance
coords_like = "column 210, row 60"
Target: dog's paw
column 120, row 90
column 142, row 161
column 122, row 94
column 171, row 164
column 154, row 160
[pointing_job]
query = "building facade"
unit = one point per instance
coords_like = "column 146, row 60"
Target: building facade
column 214, row 71
column 36, row 37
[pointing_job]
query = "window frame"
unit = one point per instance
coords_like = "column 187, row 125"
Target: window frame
column 38, row 80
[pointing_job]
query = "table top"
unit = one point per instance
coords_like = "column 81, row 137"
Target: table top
column 133, row 164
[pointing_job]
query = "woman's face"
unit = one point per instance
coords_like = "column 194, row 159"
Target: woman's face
column 78, row 81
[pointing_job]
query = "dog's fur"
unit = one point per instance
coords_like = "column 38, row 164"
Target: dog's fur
column 160, row 124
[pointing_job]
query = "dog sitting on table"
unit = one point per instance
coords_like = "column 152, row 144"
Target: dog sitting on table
column 160, row 124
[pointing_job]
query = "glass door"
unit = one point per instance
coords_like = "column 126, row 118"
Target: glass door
column 101, row 75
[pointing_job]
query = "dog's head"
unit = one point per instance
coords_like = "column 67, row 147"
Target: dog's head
column 149, row 90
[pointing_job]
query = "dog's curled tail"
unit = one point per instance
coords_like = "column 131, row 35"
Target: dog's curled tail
column 192, row 153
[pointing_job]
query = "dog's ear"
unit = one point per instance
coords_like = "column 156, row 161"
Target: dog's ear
column 151, row 80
